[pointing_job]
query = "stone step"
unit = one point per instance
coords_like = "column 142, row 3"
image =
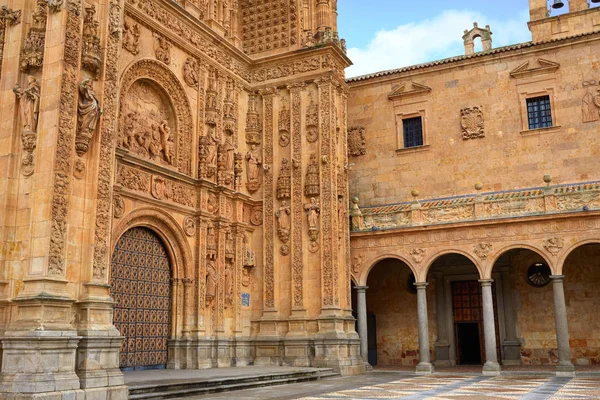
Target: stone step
column 183, row 389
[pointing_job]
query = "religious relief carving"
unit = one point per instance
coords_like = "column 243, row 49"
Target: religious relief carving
column 253, row 164
column 211, row 283
column 29, row 107
column 212, row 101
column 229, row 248
column 417, row 254
column 283, row 222
column 211, row 242
column 133, row 179
column 471, row 122
column 212, row 204
column 256, row 217
column 88, row 115
column 312, row 120
column 356, row 217
column 253, row 127
column 32, row 52
column 226, row 162
column 162, row 49
column 312, row 185
column 229, row 114
column 163, row 189
column 79, row 169
column 284, row 180
column 118, row 206
column 554, row 245
column 55, row 5
column 313, row 210
column 482, row 250
column 91, row 55
column 357, row 263
column 591, row 103
column 284, row 124
column 189, row 226
column 356, row 141
column 190, row 72
column 131, row 37
column 209, row 146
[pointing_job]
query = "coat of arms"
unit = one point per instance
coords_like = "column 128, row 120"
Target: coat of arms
column 472, row 123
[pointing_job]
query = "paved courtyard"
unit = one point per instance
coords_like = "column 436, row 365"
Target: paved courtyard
column 387, row 385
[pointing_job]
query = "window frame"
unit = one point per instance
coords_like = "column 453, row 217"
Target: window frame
column 405, row 127
column 545, row 99
column 400, row 117
column 524, row 95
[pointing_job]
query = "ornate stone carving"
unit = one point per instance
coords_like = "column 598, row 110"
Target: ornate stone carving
column 55, row 5
column 212, row 203
column 284, row 180
column 211, row 103
column 32, row 52
column 131, row 37
column 356, row 141
column 356, row 217
column 118, row 206
column 190, row 72
column 256, row 217
column 208, row 155
column 91, row 54
column 312, row 120
column 29, row 107
column 312, row 184
column 238, row 169
column 189, row 226
column 229, row 107
column 417, row 254
column 357, row 263
column 482, row 250
column 471, row 122
column 8, row 17
column 211, row 283
column 133, row 179
column 258, row 15
column 284, row 124
column 313, row 209
column 253, row 166
column 283, row 222
column 88, row 115
column 268, row 229
column 253, row 128
column 226, row 162
column 162, row 49
column 79, row 169
column 287, row 69
column 553, row 245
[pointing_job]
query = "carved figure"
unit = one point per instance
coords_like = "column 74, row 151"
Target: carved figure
column 284, row 180
column 212, row 147
column 163, row 49
column 32, row 51
column 211, row 282
column 358, row 222
column 589, row 109
column 312, row 213
column 88, row 114
column 283, row 221
column 228, row 284
column 190, row 72
column 312, row 186
column 91, row 50
column 253, row 163
column 249, row 256
column 166, row 140
column 131, row 37
column 229, row 154
column 29, row 103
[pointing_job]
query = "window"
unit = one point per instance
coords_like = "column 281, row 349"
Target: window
column 413, row 132
column 539, row 114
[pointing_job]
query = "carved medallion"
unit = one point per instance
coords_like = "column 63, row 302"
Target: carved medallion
column 554, row 245
column 356, row 141
column 79, row 169
column 472, row 123
column 417, row 255
column 284, row 250
column 118, row 206
column 189, row 226
column 482, row 250
column 256, row 218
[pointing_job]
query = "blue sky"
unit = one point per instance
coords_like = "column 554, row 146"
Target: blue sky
column 386, row 34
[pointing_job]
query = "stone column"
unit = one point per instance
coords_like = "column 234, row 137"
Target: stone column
column 564, row 367
column 361, row 310
column 442, row 345
column 424, row 367
column 491, row 366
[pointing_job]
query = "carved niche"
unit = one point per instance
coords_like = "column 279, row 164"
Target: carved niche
column 253, row 128
column 91, row 55
column 88, row 115
column 229, row 106
column 471, row 122
column 249, row 261
column 32, row 52
column 312, row 186
column 312, row 120
column 356, row 141
column 212, row 101
column 284, row 226
column 284, row 181
column 29, row 107
column 253, row 164
column 284, row 124
column 313, row 210
column 131, row 37
column 153, row 125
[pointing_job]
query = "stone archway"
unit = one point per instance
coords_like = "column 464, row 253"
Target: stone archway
column 140, row 279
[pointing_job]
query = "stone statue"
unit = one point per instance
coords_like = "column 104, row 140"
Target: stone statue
column 229, row 154
column 358, row 222
column 312, row 213
column 228, row 284
column 166, row 141
column 212, row 146
column 211, row 282
column 253, row 163
column 88, row 115
column 163, row 50
column 283, row 221
column 29, row 103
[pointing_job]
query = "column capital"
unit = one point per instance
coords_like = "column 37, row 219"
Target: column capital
column 557, row 278
column 361, row 288
column 486, row 282
column 421, row 285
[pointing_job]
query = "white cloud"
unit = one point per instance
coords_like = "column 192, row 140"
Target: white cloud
column 432, row 39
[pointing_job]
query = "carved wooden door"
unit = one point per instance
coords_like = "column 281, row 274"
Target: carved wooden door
column 141, row 286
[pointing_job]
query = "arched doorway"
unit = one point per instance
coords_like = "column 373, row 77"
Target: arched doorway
column 140, row 281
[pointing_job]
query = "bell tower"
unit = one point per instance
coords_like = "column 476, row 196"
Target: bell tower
column 545, row 26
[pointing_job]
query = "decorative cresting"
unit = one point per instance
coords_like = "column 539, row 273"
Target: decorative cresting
column 156, row 142
column 140, row 279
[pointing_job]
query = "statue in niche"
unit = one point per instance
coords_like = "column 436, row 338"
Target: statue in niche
column 163, row 50
column 211, row 282
column 283, row 221
column 358, row 222
column 253, row 162
column 228, row 284
column 212, row 147
column 229, row 150
column 312, row 213
column 312, row 185
column 166, row 140
column 29, row 103
column 88, row 115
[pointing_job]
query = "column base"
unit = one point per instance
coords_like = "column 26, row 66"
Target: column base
column 565, row 369
column 424, row 368
column 491, row 368
column 112, row 393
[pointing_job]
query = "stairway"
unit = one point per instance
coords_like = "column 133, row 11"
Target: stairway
column 178, row 388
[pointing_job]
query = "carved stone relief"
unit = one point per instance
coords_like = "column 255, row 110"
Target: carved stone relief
column 256, row 217
column 284, row 180
column 417, row 254
column 190, row 72
column 313, row 209
column 55, row 5
column 91, row 54
column 312, row 185
column 32, row 52
column 189, row 226
column 226, row 162
column 79, row 169
column 29, row 108
column 312, row 120
column 590, row 106
column 211, row 283
column 482, row 250
column 88, row 115
column 357, row 263
column 162, row 49
column 356, row 141
column 553, row 245
column 131, row 37
column 284, row 124
column 253, row 128
column 118, row 206
column 471, row 122
column 357, row 219
column 283, row 222
column 253, row 166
